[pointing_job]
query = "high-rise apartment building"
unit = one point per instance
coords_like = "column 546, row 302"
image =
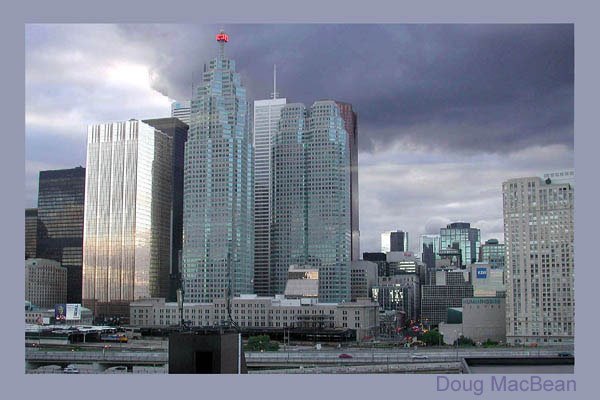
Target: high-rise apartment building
column 394, row 241
column 539, row 238
column 218, row 244
column 177, row 131
column 492, row 252
column 60, row 214
column 311, row 222
column 460, row 235
column 127, row 221
column 31, row 231
column 351, row 125
column 266, row 119
column 181, row 110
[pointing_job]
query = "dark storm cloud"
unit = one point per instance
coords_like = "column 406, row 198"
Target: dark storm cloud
column 467, row 88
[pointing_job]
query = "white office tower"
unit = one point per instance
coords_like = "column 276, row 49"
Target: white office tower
column 181, row 110
column 267, row 114
column 538, row 235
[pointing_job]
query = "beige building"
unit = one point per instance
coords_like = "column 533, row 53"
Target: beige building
column 540, row 267
column 483, row 318
column 363, row 277
column 45, row 282
column 265, row 312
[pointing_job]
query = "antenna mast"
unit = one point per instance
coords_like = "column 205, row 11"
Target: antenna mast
column 274, row 94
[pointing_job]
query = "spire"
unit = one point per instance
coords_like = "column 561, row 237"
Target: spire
column 274, row 94
column 222, row 38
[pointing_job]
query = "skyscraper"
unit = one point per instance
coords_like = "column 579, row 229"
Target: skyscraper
column 266, row 119
column 492, row 252
column 394, row 241
column 539, row 265
column 311, row 221
column 31, row 231
column 126, row 253
column 351, row 126
column 177, row 130
column 218, row 245
column 460, row 235
column 60, row 214
column 181, row 110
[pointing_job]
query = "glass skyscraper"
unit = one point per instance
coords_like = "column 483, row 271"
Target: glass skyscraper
column 60, row 232
column 218, row 229
column 492, row 252
column 126, row 244
column 31, row 232
column 311, row 222
column 460, row 235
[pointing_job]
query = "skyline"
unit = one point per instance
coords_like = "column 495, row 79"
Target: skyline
column 419, row 185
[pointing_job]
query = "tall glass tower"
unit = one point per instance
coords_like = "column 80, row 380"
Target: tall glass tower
column 218, row 229
column 311, row 198
column 460, row 235
column 266, row 119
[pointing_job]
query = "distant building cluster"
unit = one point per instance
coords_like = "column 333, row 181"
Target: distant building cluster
column 250, row 214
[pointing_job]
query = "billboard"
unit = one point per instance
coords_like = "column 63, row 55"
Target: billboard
column 60, row 312
column 74, row 312
column 482, row 273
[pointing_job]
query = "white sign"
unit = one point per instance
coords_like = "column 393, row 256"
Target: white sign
column 73, row 311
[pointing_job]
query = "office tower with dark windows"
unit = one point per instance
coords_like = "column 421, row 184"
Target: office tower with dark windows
column 181, row 110
column 429, row 246
column 451, row 286
column 460, row 235
column 177, row 131
column 266, row 120
column 218, row 209
column 381, row 260
column 351, row 125
column 127, row 222
column 311, row 222
column 539, row 264
column 492, row 252
column 31, row 231
column 394, row 241
column 60, row 231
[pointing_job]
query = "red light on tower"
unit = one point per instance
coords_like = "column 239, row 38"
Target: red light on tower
column 222, row 37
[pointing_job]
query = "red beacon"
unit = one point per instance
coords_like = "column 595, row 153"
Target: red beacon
column 222, row 37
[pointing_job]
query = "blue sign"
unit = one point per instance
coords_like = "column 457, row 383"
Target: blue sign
column 482, row 273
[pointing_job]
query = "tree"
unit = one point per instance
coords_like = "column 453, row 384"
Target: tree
column 464, row 341
column 432, row 338
column 261, row 343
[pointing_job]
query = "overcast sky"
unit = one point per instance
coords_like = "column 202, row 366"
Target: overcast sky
column 446, row 113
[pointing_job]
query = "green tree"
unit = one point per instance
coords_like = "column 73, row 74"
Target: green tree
column 261, row 343
column 432, row 338
column 464, row 341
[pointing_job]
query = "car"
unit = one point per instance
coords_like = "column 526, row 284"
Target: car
column 70, row 370
column 419, row 357
column 344, row 355
column 565, row 354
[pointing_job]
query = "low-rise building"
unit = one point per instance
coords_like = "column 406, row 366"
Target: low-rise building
column 45, row 282
column 483, row 318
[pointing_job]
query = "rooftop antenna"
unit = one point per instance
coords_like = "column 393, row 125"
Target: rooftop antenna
column 274, row 94
column 222, row 38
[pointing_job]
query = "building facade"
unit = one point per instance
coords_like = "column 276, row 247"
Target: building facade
column 483, row 318
column 127, row 222
column 350, row 119
column 60, row 214
column 539, row 238
column 177, row 131
column 218, row 210
column 266, row 121
column 492, row 252
column 45, row 282
column 311, row 221
column 394, row 241
column 181, row 110
column 31, row 231
column 460, row 235
column 448, row 291
column 363, row 277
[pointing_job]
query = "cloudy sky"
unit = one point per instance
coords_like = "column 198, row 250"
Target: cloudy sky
column 445, row 112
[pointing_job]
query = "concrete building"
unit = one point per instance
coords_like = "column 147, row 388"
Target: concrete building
column 483, row 318
column 539, row 238
column 267, row 114
column 429, row 245
column 493, row 253
column 450, row 288
column 311, row 223
column 399, row 293
column 251, row 311
column 487, row 281
column 45, row 282
column 60, row 214
column 363, row 277
column 218, row 214
column 380, row 259
column 460, row 235
column 181, row 110
column 31, row 232
column 127, row 224
column 177, row 131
